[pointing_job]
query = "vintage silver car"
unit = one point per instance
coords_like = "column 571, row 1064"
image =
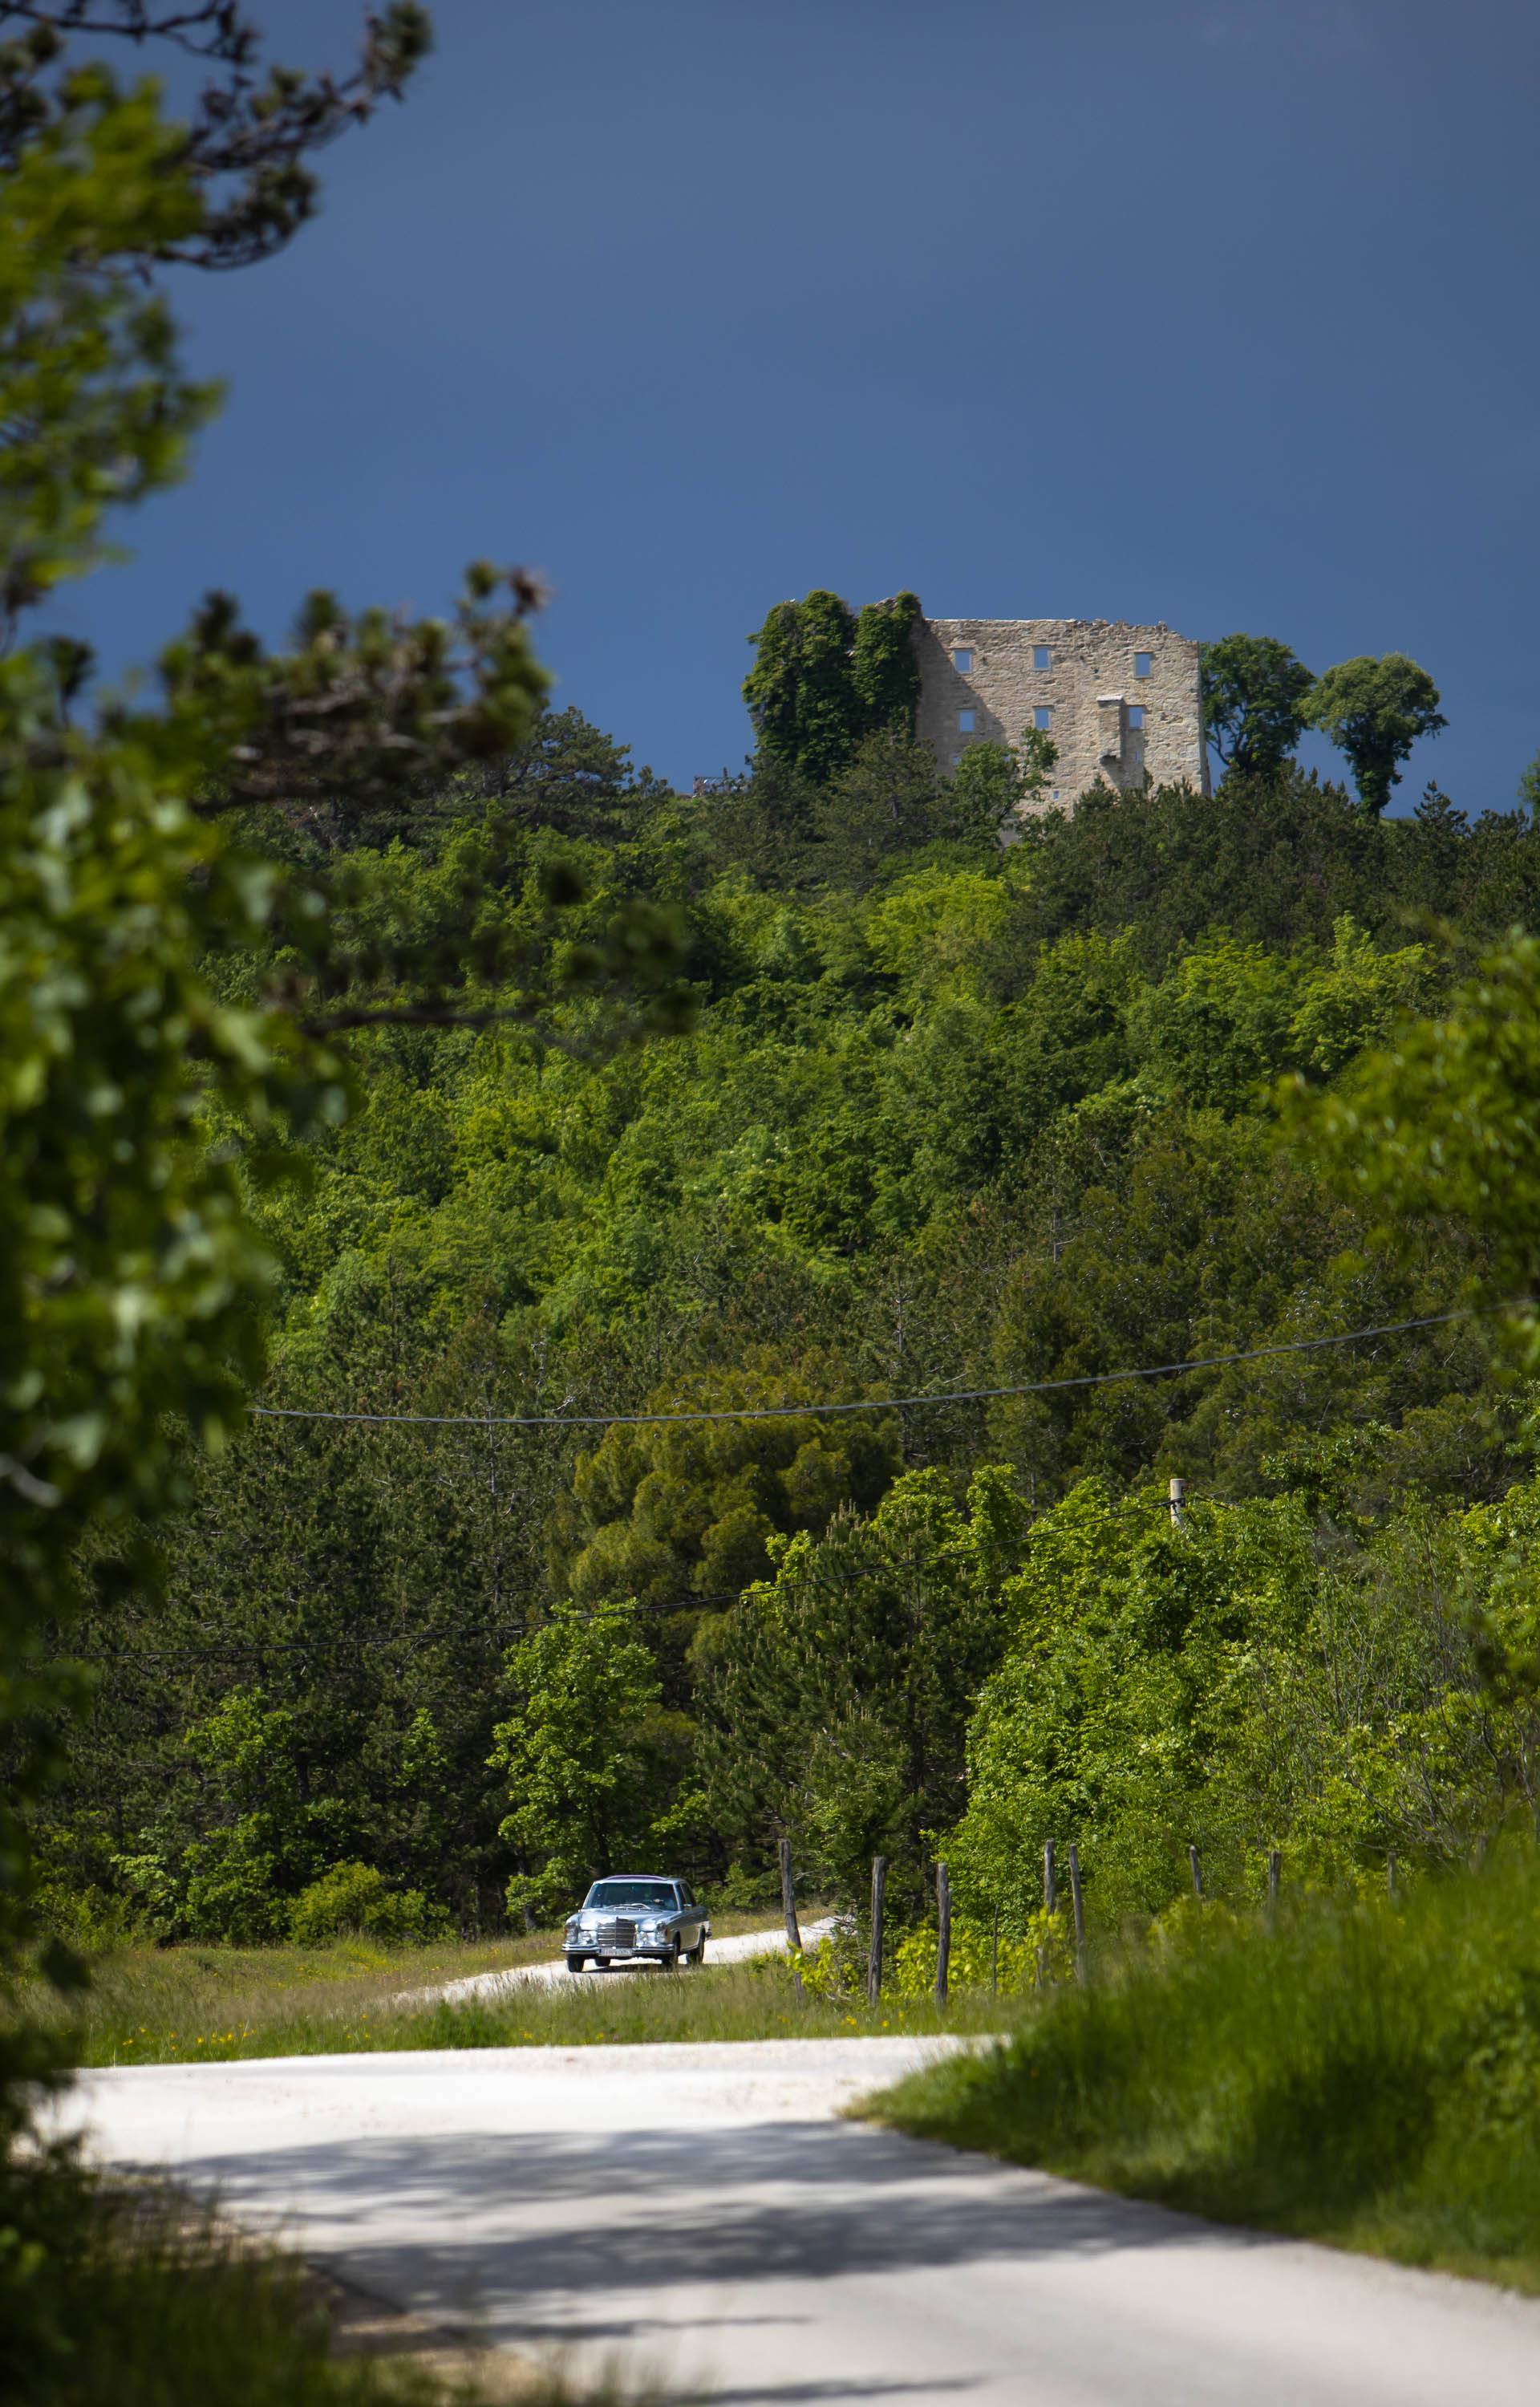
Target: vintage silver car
column 634, row 1915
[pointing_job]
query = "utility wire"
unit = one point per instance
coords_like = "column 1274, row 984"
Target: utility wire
column 877, row 1404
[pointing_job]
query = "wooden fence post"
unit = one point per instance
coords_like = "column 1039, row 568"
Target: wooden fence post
column 874, row 1958
column 1051, row 1906
column 1080, row 1910
column 994, row 1956
column 1197, row 1872
column 1177, row 1498
column 943, row 1932
column 788, row 1903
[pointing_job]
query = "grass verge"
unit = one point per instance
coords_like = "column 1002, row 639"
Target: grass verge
column 1368, row 2075
column 169, row 2004
column 174, row 2004
column 741, row 2001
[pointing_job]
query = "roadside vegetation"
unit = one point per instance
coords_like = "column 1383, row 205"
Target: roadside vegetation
column 745, row 2001
column 135, row 2296
column 1365, row 2072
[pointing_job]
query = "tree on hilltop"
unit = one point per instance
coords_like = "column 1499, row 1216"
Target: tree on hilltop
column 1375, row 711
column 1253, row 693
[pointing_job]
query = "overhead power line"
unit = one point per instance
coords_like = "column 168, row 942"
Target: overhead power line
column 879, row 1404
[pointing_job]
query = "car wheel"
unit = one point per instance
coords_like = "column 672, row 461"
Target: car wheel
column 670, row 1963
column 698, row 1953
column 575, row 1963
column 601, row 1963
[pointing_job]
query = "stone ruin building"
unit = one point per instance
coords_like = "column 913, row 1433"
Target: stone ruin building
column 1120, row 703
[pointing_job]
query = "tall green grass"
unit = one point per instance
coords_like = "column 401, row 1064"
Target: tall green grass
column 1367, row 2075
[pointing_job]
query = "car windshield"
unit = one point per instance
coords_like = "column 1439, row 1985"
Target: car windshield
column 630, row 1892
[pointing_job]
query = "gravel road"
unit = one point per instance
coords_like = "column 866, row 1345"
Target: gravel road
column 741, row 1948
column 701, row 2213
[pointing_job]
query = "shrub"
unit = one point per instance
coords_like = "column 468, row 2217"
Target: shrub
column 1031, row 1959
column 230, row 1895
column 88, row 1918
column 359, row 1897
column 837, row 1967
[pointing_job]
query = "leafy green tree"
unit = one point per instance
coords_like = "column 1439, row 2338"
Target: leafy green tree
column 839, row 1688
column 1253, row 698
column 680, row 1516
column 567, row 778
column 237, row 1874
column 1037, row 756
column 1218, row 1027
column 888, row 800
column 1223, row 1685
column 758, row 825
column 1356, row 998
column 1375, row 710
column 1159, row 1234
column 992, row 781
column 588, row 1754
column 932, row 926
column 1445, row 1125
column 986, row 789
column 1529, row 787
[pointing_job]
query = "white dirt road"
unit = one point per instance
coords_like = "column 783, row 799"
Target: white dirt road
column 701, row 2215
column 741, row 1948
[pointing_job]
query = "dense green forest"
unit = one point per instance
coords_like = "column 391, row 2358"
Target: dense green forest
column 926, row 1114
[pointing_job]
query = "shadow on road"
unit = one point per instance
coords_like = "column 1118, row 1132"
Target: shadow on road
column 544, row 2234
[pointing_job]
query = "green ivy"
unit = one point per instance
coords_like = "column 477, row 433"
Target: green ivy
column 824, row 678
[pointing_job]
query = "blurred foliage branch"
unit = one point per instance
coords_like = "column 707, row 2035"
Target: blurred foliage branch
column 242, row 156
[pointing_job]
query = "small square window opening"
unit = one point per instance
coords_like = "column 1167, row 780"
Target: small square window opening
column 1135, row 714
column 1143, row 663
column 1042, row 657
column 962, row 661
column 964, row 722
column 955, row 758
column 1043, row 717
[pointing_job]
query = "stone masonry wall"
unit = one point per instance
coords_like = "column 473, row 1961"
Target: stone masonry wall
column 993, row 671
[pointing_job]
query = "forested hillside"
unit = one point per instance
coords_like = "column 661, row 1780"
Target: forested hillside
column 927, row 1115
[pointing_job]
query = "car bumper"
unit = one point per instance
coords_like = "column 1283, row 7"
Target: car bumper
column 648, row 1951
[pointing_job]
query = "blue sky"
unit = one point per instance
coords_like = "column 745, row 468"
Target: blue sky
column 1207, row 311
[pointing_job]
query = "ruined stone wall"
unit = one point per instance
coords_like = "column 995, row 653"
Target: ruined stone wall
column 988, row 678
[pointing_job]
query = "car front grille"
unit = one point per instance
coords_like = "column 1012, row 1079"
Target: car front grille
column 609, row 1937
